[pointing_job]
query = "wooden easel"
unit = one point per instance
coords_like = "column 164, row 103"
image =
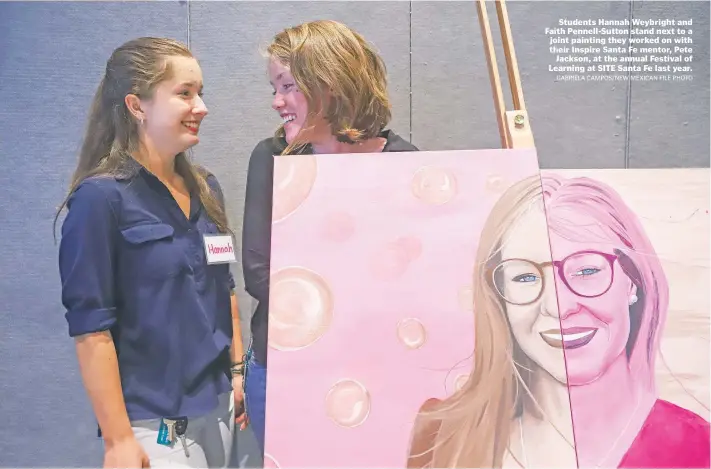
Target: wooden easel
column 514, row 126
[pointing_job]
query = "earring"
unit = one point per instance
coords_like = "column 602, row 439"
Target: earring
column 140, row 120
column 633, row 299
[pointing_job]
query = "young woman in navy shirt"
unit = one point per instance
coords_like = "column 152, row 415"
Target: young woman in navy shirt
column 150, row 305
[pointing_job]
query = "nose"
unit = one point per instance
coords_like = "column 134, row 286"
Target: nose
column 278, row 101
column 200, row 106
column 549, row 301
column 557, row 300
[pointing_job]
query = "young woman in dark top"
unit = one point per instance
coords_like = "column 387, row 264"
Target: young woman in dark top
column 330, row 89
column 148, row 302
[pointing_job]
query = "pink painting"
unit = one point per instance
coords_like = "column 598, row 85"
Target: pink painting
column 371, row 296
column 459, row 309
column 571, row 302
column 632, row 255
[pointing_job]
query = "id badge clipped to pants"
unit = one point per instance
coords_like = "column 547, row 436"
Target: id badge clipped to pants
column 169, row 429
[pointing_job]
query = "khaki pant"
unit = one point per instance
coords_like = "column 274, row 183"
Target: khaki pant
column 208, row 438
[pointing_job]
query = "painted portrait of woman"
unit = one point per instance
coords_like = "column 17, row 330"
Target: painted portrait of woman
column 570, row 300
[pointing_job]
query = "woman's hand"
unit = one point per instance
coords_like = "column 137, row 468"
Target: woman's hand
column 241, row 417
column 125, row 453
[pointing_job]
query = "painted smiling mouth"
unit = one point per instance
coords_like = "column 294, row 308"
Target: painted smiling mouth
column 569, row 338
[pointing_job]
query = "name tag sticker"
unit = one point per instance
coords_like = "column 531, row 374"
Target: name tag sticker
column 219, row 249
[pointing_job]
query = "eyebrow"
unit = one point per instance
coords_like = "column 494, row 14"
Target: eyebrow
column 191, row 84
column 278, row 77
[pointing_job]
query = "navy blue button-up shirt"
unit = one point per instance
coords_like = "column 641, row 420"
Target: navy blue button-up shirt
column 131, row 262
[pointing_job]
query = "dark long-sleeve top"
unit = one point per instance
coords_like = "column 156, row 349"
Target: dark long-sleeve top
column 257, row 229
column 132, row 263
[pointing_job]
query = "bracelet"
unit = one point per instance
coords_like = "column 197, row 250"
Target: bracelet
column 242, row 362
column 238, row 368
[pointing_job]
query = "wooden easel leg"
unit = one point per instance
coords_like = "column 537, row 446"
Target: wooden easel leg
column 494, row 78
column 514, row 126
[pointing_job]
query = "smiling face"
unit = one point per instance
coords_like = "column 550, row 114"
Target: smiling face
column 594, row 329
column 292, row 106
column 173, row 115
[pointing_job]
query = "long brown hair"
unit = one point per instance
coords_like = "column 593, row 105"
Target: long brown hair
column 473, row 425
column 334, row 65
column 135, row 67
column 475, row 421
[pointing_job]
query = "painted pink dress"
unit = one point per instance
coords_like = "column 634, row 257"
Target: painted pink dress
column 670, row 437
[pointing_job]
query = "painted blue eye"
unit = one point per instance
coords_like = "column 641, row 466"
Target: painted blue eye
column 525, row 278
column 586, row 272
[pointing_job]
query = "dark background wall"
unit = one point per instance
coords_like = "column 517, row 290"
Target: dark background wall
column 52, row 55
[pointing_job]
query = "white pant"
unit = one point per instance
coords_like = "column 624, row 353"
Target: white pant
column 208, row 438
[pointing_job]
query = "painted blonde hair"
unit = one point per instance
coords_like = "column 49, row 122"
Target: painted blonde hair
column 472, row 427
column 340, row 74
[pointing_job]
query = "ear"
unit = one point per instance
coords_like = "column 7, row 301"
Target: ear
column 631, row 272
column 133, row 104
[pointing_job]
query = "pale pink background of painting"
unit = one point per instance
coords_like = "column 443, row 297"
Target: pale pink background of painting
column 673, row 206
column 435, row 289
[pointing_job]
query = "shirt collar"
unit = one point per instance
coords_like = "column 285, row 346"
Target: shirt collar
column 132, row 169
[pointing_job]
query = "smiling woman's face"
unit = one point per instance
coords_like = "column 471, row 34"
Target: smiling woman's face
column 594, row 329
column 292, row 106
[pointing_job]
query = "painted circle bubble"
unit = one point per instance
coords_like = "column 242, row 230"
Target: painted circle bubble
column 389, row 262
column 338, row 226
column 392, row 259
column 270, row 462
column 300, row 308
column 434, row 186
column 348, row 403
column 294, row 176
column 411, row 246
column 495, row 183
column 412, row 333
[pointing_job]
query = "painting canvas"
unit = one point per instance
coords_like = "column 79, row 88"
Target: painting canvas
column 655, row 409
column 423, row 305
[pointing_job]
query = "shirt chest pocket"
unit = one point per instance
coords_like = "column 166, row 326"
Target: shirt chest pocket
column 152, row 252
